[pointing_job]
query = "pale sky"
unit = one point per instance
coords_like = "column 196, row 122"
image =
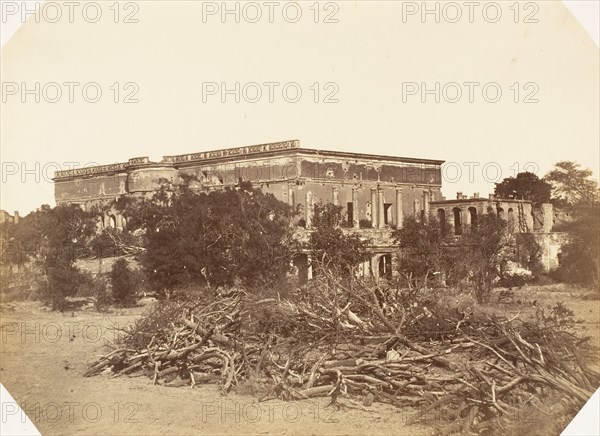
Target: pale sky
column 372, row 56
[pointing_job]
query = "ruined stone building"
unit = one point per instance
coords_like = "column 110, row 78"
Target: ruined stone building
column 376, row 192
column 5, row 217
column 521, row 216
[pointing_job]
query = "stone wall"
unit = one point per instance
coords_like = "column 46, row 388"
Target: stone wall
column 551, row 245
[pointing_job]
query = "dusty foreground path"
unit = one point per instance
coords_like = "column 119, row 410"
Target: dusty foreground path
column 43, row 356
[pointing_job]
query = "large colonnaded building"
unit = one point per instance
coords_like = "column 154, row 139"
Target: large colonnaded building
column 380, row 190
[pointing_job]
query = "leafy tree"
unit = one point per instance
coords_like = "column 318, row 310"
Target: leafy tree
column 483, row 254
column 574, row 189
column 572, row 186
column 63, row 281
column 53, row 237
column 580, row 256
column 423, row 251
column 526, row 186
column 332, row 247
column 123, row 286
column 217, row 239
column 49, row 233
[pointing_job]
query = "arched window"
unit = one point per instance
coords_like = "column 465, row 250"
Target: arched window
column 473, row 213
column 501, row 214
column 457, row 221
column 112, row 221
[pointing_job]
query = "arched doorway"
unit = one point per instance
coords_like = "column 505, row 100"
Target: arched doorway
column 457, row 221
column 473, row 214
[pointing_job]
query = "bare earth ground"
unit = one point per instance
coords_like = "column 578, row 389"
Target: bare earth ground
column 43, row 356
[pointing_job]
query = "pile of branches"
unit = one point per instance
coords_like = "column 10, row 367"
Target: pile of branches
column 359, row 342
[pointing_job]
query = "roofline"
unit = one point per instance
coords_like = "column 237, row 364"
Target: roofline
column 366, row 156
column 480, row 199
column 291, row 147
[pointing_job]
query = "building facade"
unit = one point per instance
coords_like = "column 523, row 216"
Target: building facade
column 375, row 191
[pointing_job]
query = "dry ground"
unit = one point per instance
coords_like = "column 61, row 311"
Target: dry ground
column 42, row 369
column 43, row 356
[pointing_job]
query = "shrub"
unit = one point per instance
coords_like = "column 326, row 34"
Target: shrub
column 514, row 276
column 95, row 288
column 329, row 244
column 123, row 286
column 25, row 284
column 559, row 317
column 423, row 254
column 63, row 282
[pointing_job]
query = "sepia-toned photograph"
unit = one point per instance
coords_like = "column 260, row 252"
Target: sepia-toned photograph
column 300, row 217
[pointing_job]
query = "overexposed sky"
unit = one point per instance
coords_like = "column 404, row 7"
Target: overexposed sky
column 373, row 63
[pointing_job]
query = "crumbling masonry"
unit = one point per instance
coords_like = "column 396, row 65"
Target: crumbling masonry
column 376, row 192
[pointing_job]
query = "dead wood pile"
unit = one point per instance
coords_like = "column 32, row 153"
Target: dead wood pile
column 362, row 342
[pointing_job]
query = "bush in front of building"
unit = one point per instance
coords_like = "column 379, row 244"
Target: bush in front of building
column 122, row 282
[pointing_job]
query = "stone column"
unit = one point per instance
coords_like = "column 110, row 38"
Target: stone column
column 465, row 219
column 380, row 208
column 309, row 269
column 355, row 216
column 426, row 199
column 308, row 210
column 374, row 207
column 547, row 217
column 375, row 266
column 394, row 264
column 528, row 212
column 99, row 224
column 417, row 209
column 399, row 214
column 336, row 196
column 291, row 194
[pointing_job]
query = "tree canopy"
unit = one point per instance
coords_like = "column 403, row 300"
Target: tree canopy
column 216, row 238
column 580, row 255
column 525, row 186
column 53, row 238
column 572, row 186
